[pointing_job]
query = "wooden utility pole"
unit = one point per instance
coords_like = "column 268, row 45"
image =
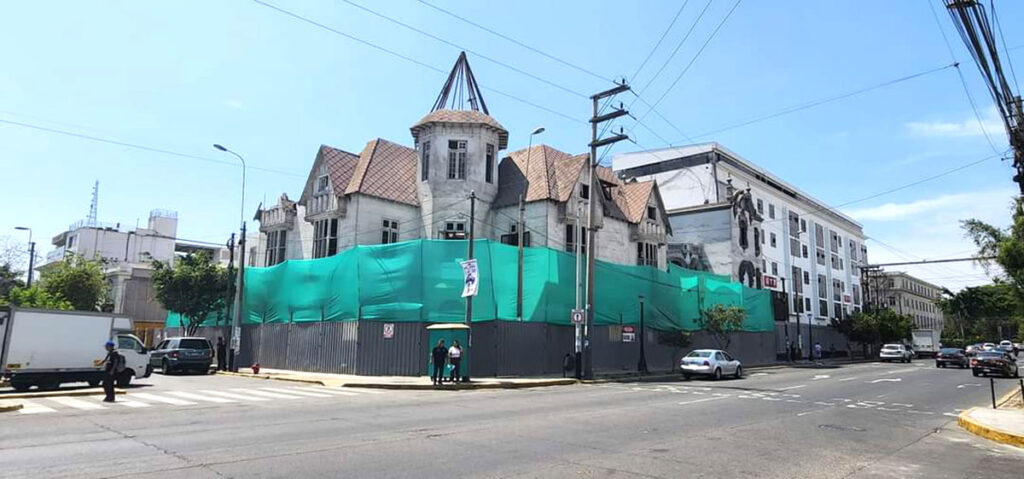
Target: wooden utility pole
column 596, row 191
column 469, row 253
column 519, row 242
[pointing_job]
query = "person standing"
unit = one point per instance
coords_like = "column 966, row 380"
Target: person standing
column 817, row 351
column 455, row 358
column 110, row 367
column 222, row 354
column 437, row 357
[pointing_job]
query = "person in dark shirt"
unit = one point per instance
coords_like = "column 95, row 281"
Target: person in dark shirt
column 222, row 354
column 438, row 356
column 109, row 372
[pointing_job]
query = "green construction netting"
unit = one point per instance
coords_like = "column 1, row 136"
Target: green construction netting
column 421, row 280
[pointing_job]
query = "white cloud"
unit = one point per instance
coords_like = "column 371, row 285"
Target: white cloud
column 998, row 199
column 969, row 127
column 235, row 104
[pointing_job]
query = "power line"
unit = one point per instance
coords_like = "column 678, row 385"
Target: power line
column 658, row 44
column 999, row 28
column 676, row 50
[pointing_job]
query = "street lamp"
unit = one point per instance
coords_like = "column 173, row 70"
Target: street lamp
column 522, row 226
column 31, row 253
column 236, row 329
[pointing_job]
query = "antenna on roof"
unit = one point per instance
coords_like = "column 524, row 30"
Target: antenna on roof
column 91, row 219
column 460, row 83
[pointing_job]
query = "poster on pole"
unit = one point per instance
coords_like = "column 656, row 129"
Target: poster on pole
column 471, row 278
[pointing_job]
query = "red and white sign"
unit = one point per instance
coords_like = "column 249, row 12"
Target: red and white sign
column 628, row 334
column 389, row 330
column 769, row 281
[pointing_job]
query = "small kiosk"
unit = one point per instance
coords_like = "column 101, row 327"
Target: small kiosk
column 450, row 332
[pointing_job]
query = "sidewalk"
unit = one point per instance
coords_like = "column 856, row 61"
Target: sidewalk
column 1005, row 425
column 400, row 382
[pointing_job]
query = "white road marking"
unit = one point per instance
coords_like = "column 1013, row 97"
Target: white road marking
column 759, row 374
column 365, row 390
column 328, row 391
column 885, row 380
column 699, row 400
column 123, row 402
column 793, row 387
column 76, row 403
column 919, row 412
column 902, row 404
column 294, row 391
column 229, row 395
column 822, row 403
column 165, row 400
column 820, row 376
column 847, row 379
column 886, row 409
column 804, row 413
column 29, row 407
column 267, row 394
column 950, row 414
column 200, row 397
column 842, row 399
column 961, row 386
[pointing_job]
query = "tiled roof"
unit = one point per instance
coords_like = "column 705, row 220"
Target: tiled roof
column 636, row 196
column 552, row 175
column 462, row 116
column 340, row 165
column 386, row 170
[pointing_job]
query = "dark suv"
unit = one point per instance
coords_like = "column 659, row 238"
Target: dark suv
column 952, row 356
column 176, row 354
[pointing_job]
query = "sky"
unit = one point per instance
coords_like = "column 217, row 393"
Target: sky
column 179, row 76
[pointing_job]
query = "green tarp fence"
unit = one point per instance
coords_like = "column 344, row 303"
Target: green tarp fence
column 421, row 280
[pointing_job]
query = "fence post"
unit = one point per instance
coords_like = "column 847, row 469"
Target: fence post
column 992, row 387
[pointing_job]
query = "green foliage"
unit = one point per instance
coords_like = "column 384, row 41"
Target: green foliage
column 721, row 321
column 1005, row 246
column 77, row 280
column 193, row 287
column 990, row 312
column 10, row 278
column 876, row 327
column 35, row 297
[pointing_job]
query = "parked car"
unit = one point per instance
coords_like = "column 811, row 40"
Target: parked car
column 710, row 362
column 1007, row 347
column 994, row 362
column 895, row 352
column 952, row 356
column 988, row 346
column 176, row 354
column 972, row 349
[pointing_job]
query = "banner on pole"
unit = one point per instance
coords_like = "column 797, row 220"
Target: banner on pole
column 471, row 276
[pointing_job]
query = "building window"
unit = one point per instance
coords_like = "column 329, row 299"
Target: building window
column 822, row 287
column 512, row 238
column 794, row 224
column 585, row 191
column 389, row 232
column 798, row 286
column 836, row 241
column 820, row 254
column 794, row 247
column 771, row 211
column 853, row 250
column 570, row 239
column 325, row 238
column 71, row 242
column 775, row 268
column 647, row 254
column 822, row 308
column 453, row 230
column 321, row 183
column 652, row 213
column 803, row 250
column 772, row 239
column 276, row 241
column 489, row 176
column 807, row 278
column 803, row 225
column 807, row 304
column 425, row 161
column 456, row 159
column 760, row 206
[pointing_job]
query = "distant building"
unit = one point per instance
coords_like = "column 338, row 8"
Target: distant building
column 731, row 217
column 388, row 192
column 911, row 296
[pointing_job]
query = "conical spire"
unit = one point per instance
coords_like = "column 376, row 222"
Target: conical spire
column 460, row 88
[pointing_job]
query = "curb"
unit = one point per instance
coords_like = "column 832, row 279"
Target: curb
column 10, row 407
column 464, row 386
column 268, row 376
column 48, row 394
column 1006, row 397
column 988, row 432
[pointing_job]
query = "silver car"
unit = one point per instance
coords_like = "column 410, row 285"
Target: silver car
column 710, row 362
column 895, row 352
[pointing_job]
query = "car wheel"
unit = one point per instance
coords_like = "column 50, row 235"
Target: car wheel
column 718, row 373
column 94, row 382
column 739, row 372
column 938, row 365
column 165, row 368
column 20, row 386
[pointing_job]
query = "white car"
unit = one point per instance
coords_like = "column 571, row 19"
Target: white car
column 1006, row 346
column 988, row 347
column 710, row 362
column 895, row 352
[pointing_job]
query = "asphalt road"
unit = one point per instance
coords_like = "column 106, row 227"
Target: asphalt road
column 866, row 420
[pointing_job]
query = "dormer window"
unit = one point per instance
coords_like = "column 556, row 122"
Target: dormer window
column 321, row 184
column 585, row 191
column 652, row 213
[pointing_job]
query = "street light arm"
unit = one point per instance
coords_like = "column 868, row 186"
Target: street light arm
column 241, row 216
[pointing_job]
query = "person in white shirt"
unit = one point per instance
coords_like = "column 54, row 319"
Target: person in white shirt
column 454, row 358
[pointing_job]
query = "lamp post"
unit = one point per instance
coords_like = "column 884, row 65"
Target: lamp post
column 522, row 226
column 236, row 340
column 31, row 253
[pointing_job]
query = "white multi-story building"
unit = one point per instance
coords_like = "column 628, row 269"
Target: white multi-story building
column 911, row 296
column 732, row 217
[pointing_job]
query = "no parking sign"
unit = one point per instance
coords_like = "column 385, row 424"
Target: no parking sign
column 389, row 330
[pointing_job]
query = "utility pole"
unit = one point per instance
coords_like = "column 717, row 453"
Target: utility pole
column 786, row 324
column 229, row 299
column 641, row 366
column 236, row 330
column 469, row 254
column 31, row 262
column 595, row 191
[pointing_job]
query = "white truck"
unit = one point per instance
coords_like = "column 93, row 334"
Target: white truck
column 925, row 342
column 45, row 348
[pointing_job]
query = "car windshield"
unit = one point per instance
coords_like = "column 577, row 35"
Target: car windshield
column 890, row 347
column 990, row 355
column 699, row 354
column 194, row 344
column 949, row 351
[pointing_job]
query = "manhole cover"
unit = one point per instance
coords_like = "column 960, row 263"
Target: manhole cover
column 841, row 427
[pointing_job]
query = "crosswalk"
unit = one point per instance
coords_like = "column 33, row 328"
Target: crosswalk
column 138, row 400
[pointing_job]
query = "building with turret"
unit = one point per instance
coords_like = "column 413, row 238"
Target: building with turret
column 388, row 192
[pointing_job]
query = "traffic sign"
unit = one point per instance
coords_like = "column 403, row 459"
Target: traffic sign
column 389, row 330
column 578, row 316
column 628, row 334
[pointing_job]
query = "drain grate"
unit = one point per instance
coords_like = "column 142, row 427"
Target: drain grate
column 841, row 427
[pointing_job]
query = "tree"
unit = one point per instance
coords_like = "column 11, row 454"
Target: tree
column 10, row 278
column 721, row 321
column 981, row 313
column 35, row 297
column 879, row 326
column 193, row 287
column 1004, row 248
column 77, row 280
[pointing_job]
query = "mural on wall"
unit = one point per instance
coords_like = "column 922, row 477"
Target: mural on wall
column 690, row 256
column 748, row 236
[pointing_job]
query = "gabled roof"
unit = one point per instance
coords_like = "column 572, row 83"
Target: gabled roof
column 463, row 117
column 636, row 196
column 340, row 165
column 538, row 173
column 386, row 170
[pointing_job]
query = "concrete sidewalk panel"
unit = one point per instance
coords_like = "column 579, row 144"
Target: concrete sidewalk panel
column 1003, row 426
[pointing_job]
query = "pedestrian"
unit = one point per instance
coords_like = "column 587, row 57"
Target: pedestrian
column 817, row 351
column 111, row 364
column 437, row 357
column 222, row 354
column 455, row 358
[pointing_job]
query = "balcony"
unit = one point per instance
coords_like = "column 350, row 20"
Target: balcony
column 324, row 202
column 647, row 232
column 277, row 218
